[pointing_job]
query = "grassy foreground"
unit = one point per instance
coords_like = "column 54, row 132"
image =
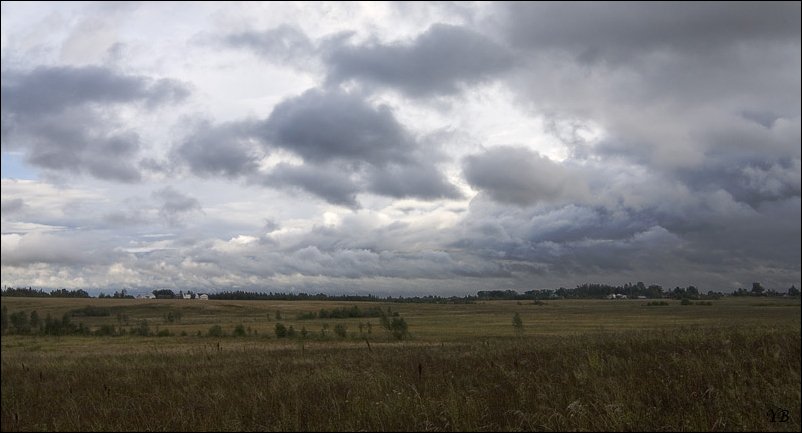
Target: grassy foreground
column 730, row 366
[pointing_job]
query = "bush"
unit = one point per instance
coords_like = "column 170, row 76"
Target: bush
column 172, row 316
column 89, row 311
column 686, row 301
column 281, row 330
column 106, row 331
column 215, row 331
column 143, row 329
column 19, row 320
column 517, row 323
column 340, row 330
column 239, row 331
column 398, row 327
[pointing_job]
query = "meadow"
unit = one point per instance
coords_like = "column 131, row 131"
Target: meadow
column 607, row 365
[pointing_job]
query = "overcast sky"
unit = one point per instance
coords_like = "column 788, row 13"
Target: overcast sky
column 400, row 148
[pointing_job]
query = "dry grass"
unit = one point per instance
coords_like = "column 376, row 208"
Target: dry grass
column 581, row 365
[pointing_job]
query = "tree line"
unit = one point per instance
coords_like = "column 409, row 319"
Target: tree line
column 639, row 289
column 583, row 291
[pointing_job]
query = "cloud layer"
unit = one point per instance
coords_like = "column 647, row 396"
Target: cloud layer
column 407, row 149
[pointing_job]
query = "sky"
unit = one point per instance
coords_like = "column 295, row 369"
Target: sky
column 400, row 148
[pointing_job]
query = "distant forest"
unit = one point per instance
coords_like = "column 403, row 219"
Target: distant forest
column 584, row 291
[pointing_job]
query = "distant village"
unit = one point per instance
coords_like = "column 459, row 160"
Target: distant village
column 169, row 294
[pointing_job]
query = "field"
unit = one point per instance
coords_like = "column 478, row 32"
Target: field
column 574, row 365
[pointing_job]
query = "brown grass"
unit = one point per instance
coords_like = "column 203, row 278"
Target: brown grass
column 581, row 365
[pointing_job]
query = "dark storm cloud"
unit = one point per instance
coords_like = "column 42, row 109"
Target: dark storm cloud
column 749, row 182
column 347, row 147
column 323, row 126
column 337, row 131
column 174, row 205
column 47, row 90
column 330, row 183
column 65, row 117
column 79, row 142
column 698, row 105
column 520, row 176
column 419, row 180
column 283, row 44
column 440, row 61
column 619, row 31
column 228, row 150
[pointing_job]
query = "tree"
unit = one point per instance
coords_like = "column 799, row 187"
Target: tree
column 164, row 294
column 792, row 291
column 757, row 289
column 518, row 324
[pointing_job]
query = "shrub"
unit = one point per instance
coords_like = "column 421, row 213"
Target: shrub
column 106, row 330
column 19, row 320
column 89, row 311
column 142, row 329
column 281, row 330
column 172, row 316
column 239, row 331
column 215, row 331
column 517, row 323
column 398, row 327
column 340, row 330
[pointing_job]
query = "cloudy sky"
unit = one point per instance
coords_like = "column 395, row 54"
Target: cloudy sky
column 409, row 148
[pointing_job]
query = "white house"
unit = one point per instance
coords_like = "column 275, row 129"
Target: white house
column 203, row 297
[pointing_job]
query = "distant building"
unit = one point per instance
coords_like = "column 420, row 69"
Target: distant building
column 203, row 297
